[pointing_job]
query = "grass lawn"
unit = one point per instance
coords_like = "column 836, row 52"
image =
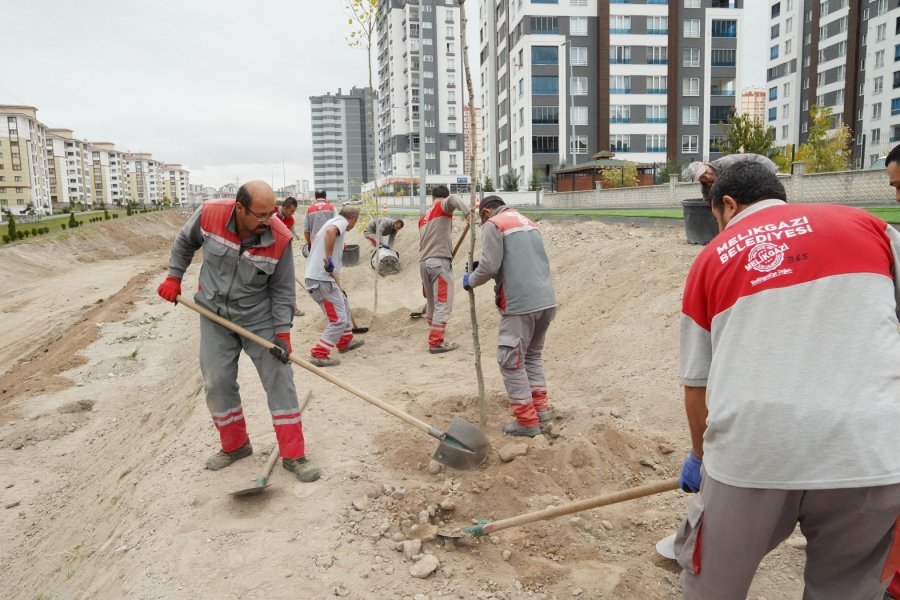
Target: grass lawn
column 55, row 222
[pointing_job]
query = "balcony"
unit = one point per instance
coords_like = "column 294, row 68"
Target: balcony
column 619, row 30
column 620, row 90
column 620, row 61
column 657, row 61
column 657, row 119
column 658, row 31
column 620, row 119
column 656, row 148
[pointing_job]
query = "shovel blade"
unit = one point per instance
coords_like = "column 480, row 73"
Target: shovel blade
column 252, row 491
column 463, row 447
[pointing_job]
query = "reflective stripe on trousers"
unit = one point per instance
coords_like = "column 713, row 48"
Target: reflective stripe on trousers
column 338, row 332
column 437, row 283
column 520, row 347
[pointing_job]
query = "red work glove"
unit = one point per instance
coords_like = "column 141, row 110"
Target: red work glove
column 170, row 289
column 282, row 348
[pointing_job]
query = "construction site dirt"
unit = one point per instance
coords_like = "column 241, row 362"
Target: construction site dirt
column 104, row 433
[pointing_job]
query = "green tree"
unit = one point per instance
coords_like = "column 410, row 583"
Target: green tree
column 488, row 184
column 510, row 181
column 624, row 176
column 534, row 183
column 11, row 228
column 72, row 222
column 827, row 148
column 783, row 157
column 667, row 170
column 745, row 134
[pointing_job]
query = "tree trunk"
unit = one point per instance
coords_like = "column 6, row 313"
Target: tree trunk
column 479, row 375
column 374, row 131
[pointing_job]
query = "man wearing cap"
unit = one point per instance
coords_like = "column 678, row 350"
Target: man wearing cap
column 247, row 277
column 436, row 265
column 377, row 229
column 706, row 173
column 512, row 254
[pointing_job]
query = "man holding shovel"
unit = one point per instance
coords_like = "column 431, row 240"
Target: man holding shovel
column 436, row 265
column 322, row 271
column 512, row 254
column 790, row 358
column 247, row 277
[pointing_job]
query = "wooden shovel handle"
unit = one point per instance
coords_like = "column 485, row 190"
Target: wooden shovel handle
column 462, row 236
column 433, row 432
column 580, row 505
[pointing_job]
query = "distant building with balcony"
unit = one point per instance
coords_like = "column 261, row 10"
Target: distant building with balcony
column 649, row 80
column 753, row 103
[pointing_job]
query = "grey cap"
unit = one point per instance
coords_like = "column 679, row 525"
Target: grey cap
column 723, row 163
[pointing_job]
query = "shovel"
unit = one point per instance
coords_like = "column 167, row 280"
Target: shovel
column 462, row 447
column 485, row 527
column 262, row 482
column 421, row 313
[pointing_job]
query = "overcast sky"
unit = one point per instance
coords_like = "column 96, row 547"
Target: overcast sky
column 220, row 86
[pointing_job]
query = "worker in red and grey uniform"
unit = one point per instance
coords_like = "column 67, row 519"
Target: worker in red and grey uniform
column 323, row 268
column 285, row 214
column 247, row 277
column 790, row 357
column 379, row 228
column 512, row 254
column 317, row 214
column 706, row 173
column 436, row 265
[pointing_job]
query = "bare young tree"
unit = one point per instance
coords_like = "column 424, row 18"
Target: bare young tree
column 473, row 177
column 362, row 16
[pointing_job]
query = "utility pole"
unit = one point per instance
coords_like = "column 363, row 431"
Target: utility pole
column 422, row 169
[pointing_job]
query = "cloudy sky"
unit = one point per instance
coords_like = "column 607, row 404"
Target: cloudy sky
column 221, row 86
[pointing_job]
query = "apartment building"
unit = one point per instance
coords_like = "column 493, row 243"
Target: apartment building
column 753, row 103
column 176, row 184
column 839, row 54
column 23, row 167
column 143, row 178
column 107, row 174
column 343, row 149
column 650, row 80
column 420, row 73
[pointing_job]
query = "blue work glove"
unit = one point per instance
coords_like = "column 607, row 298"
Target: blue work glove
column 690, row 474
column 466, row 285
column 329, row 265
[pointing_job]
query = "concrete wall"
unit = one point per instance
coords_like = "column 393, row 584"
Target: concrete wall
column 511, row 198
column 843, row 187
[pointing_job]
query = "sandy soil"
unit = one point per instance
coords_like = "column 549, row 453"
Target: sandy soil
column 104, row 434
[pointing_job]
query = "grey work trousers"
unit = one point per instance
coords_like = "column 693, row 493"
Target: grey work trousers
column 850, row 534
column 220, row 349
column 437, row 282
column 520, row 348
column 338, row 333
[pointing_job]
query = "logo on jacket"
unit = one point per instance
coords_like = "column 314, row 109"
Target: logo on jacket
column 765, row 257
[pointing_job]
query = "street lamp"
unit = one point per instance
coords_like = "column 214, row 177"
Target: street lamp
column 571, row 101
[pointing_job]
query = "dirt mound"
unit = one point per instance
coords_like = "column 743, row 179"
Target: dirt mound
column 108, row 496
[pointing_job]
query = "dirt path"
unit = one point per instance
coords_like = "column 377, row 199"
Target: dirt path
column 101, row 460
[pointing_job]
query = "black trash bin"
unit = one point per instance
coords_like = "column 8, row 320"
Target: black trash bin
column 350, row 256
column 699, row 222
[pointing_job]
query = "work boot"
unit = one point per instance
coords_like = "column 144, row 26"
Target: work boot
column 304, row 471
column 520, row 430
column 324, row 362
column 444, row 347
column 222, row 459
column 545, row 421
column 353, row 345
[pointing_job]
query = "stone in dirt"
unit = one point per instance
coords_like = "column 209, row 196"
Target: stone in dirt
column 507, row 554
column 410, row 548
column 434, row 467
column 398, row 537
column 424, row 517
column 426, row 533
column 539, row 441
column 511, row 482
column 606, row 525
column 510, row 451
column 361, row 503
column 324, row 561
column 448, row 504
column 425, row 567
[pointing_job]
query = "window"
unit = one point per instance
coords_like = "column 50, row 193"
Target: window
column 691, row 86
column 656, row 143
column 773, row 51
column 691, row 57
column 896, row 52
column 784, row 132
column 689, row 144
column 620, row 84
column 876, row 136
column 718, row 114
column 879, row 59
column 788, row 46
column 579, row 86
column 773, row 114
column 579, row 56
column 723, row 57
column 656, row 113
column 620, row 55
column 657, row 55
column 619, row 143
column 876, row 111
column 895, row 106
column 896, row 79
column 786, row 89
column 619, row 113
column 881, row 32
column 545, row 144
column 773, row 93
column 773, row 32
column 620, row 24
column 785, row 111
column 724, row 28
column 544, row 24
column 542, row 85
column 544, row 55
column 579, row 144
column 692, row 3
column 544, row 115
column 657, row 25
column 657, row 84
column 579, row 115
column 690, row 115
column 692, row 28
column 578, row 26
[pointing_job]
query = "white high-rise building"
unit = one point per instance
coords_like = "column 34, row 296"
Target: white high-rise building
column 420, row 76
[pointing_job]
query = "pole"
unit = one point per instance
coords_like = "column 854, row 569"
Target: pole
column 422, row 170
column 283, row 178
column 571, row 101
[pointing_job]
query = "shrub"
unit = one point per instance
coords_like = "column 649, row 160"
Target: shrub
column 20, row 235
column 27, row 233
column 80, row 223
column 11, row 229
column 46, row 230
column 72, row 222
column 34, row 231
column 115, row 216
column 63, row 226
column 106, row 214
column 5, row 239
